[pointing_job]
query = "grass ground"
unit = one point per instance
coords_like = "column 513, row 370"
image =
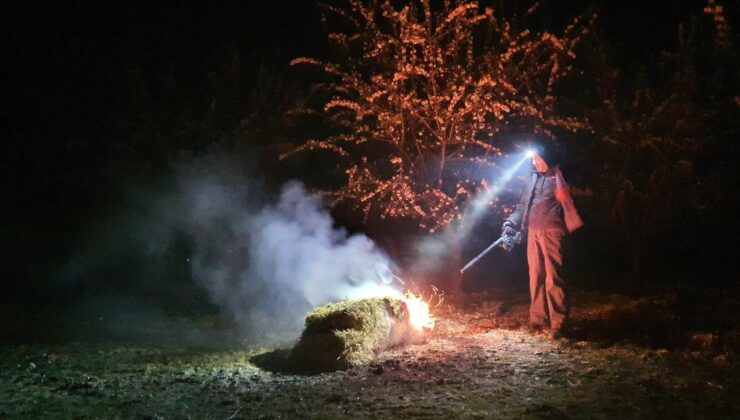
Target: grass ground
column 653, row 356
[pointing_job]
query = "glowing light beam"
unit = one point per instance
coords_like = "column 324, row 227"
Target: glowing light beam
column 478, row 204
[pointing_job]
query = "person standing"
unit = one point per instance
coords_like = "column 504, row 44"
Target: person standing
column 545, row 212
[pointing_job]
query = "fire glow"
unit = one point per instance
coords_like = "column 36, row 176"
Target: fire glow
column 419, row 315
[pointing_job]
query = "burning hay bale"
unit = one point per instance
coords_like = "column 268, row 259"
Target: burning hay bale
column 352, row 332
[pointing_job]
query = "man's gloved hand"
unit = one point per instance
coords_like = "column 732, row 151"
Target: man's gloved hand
column 507, row 230
column 510, row 236
column 510, row 242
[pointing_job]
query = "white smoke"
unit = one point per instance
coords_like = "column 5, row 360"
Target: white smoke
column 268, row 265
column 266, row 261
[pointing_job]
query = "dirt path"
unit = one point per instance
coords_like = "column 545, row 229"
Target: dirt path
column 477, row 363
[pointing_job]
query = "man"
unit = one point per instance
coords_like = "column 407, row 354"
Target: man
column 545, row 212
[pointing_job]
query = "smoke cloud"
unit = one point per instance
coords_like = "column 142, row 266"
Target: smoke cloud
column 270, row 267
column 265, row 261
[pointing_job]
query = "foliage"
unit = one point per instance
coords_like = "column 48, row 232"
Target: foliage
column 663, row 141
column 422, row 100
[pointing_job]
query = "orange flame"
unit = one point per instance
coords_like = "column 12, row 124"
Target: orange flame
column 419, row 315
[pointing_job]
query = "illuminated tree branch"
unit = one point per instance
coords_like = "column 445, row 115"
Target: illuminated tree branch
column 455, row 83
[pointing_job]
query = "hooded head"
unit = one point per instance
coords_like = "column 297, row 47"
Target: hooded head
column 539, row 163
column 545, row 156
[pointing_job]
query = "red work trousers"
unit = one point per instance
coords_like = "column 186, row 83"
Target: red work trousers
column 546, row 287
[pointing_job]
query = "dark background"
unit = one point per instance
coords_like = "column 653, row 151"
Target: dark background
column 100, row 97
